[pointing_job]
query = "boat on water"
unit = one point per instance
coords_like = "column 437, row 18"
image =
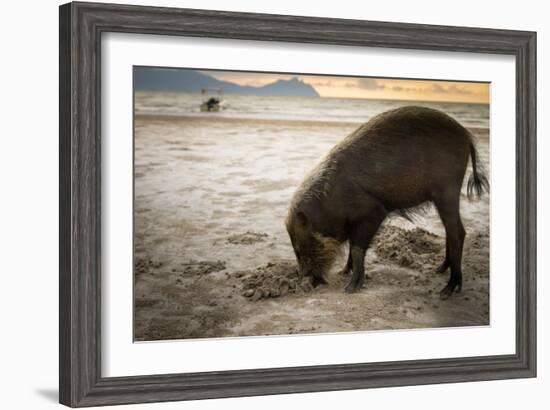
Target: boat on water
column 212, row 99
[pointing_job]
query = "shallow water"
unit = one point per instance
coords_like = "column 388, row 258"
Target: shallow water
column 299, row 108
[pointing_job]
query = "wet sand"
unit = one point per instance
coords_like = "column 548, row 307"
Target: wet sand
column 213, row 259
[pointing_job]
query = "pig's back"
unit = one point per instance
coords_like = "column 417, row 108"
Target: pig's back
column 404, row 155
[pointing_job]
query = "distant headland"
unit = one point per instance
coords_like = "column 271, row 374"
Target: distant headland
column 186, row 80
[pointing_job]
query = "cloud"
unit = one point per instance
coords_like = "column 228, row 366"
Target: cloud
column 369, row 84
column 452, row 89
column 322, row 83
column 436, row 88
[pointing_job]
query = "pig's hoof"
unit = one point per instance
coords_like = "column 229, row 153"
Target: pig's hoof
column 350, row 289
column 354, row 287
column 447, row 292
column 459, row 287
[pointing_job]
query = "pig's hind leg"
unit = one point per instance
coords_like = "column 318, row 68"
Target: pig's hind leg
column 447, row 262
column 449, row 211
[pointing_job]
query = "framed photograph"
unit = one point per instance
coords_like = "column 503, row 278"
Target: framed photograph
column 261, row 204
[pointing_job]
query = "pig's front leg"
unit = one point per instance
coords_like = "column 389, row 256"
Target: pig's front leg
column 349, row 266
column 357, row 281
column 359, row 243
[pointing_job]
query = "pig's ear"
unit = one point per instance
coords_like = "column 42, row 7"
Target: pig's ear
column 302, row 219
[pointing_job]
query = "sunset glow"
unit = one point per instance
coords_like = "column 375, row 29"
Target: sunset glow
column 373, row 88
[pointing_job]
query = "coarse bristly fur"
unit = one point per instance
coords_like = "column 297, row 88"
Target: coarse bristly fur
column 314, row 186
column 331, row 249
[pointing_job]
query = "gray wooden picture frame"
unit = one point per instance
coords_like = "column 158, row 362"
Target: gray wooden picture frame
column 81, row 27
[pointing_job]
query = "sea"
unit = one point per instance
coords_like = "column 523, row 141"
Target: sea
column 346, row 110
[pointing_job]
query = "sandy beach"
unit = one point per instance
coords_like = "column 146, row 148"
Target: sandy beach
column 213, row 258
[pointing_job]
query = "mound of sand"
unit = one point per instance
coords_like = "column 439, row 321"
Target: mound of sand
column 273, row 280
column 415, row 249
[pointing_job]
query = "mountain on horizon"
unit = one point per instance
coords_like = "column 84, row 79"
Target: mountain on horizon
column 185, row 80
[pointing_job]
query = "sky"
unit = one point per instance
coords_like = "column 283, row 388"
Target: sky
column 362, row 87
